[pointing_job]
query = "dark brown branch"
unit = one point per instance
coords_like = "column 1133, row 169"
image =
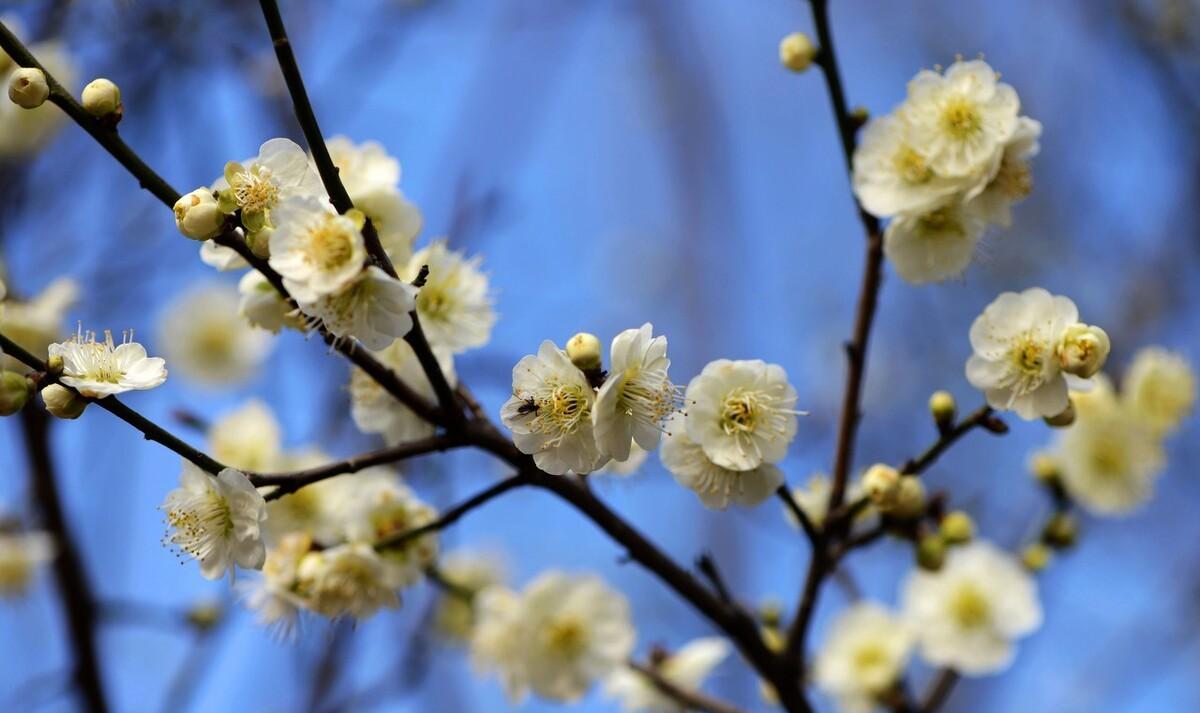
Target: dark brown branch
column 917, row 465
column 291, row 482
column 797, row 512
column 688, row 699
column 78, row 601
column 708, row 567
column 341, row 201
column 939, row 690
column 455, row 513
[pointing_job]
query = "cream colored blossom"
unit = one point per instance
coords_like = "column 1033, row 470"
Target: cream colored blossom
column 1159, row 388
column 376, row 411
column 21, row 553
column 217, row 520
column 346, row 580
column 455, row 304
column 468, row 572
column 932, row 246
column 686, row 668
column 375, row 309
column 99, row 369
column 372, row 178
column 1013, row 180
column 206, row 340
column 35, row 324
column 716, row 487
column 637, row 396
column 892, row 174
column 864, row 654
column 318, row 252
column 741, row 413
column 248, row 439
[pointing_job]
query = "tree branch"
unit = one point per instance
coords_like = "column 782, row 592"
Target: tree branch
column 341, row 201
column 73, row 586
column 918, row 465
column 688, row 699
column 797, row 512
column 939, row 690
column 455, row 513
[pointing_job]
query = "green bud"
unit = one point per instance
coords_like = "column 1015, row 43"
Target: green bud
column 62, row 402
column 583, row 350
column 931, row 552
column 1044, row 468
column 1061, row 531
column 957, row 527
column 15, row 391
column 1036, row 557
column 205, row 616
column 54, row 365
column 910, row 498
column 797, row 52
column 770, row 613
column 943, row 408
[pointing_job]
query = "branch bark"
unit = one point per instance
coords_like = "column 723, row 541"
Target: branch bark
column 690, row 700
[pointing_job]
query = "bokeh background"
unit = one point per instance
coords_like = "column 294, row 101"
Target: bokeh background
column 616, row 162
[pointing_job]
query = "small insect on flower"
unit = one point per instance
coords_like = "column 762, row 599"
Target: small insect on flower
column 98, row 369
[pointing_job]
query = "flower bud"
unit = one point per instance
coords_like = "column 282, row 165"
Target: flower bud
column 583, row 350
column 1044, row 468
column 197, row 215
column 797, row 51
column 881, row 484
column 62, row 402
column 54, row 365
column 770, row 613
column 1036, row 557
column 15, row 391
column 957, row 528
column 1061, row 531
column 859, row 116
column 931, row 552
column 205, row 616
column 910, row 498
column 101, row 98
column 1064, row 419
column 1083, row 350
column 942, row 407
column 28, row 88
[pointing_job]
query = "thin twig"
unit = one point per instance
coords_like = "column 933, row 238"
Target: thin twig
column 939, row 690
column 688, row 699
column 78, row 601
column 802, row 517
column 917, row 465
column 452, row 515
column 708, row 567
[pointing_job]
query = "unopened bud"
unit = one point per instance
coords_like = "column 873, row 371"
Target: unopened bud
column 28, row 88
column 1044, row 468
column 931, row 552
column 910, row 498
column 797, row 51
column 1083, row 350
column 583, row 350
column 54, row 365
column 881, row 484
column 770, row 613
column 942, row 407
column 1036, row 557
column 1064, row 419
column 197, row 215
column 1061, row 531
column 859, row 116
column 62, row 402
column 957, row 527
column 102, row 99
column 15, row 391
column 205, row 616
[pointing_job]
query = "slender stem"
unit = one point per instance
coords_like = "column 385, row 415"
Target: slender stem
column 806, row 523
column 341, row 201
column 291, row 482
column 918, row 465
column 74, row 588
column 455, row 513
column 689, row 699
column 940, row 690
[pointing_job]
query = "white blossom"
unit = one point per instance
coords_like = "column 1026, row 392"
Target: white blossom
column 204, row 337
column 222, row 258
column 637, row 396
column 686, row 668
column 1110, row 458
column 317, row 251
column 349, row 579
column 274, row 597
column 968, row 615
column 99, row 369
column 813, row 498
column 455, row 305
column 961, row 119
column 248, row 439
column 380, row 508
column 550, row 413
column 217, row 521
column 557, row 638
column 892, row 175
column 467, row 571
column 21, row 553
column 371, row 178
column 1159, row 388
column 933, row 246
column 1013, row 180
column 262, row 306
column 375, row 309
column 742, row 413
column 1016, row 359
column 864, row 654
column 37, row 323
column 257, row 186
column 376, row 411
column 717, row 487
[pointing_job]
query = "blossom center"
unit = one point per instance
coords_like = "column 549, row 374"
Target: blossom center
column 566, row 637
column 254, row 189
column 561, row 412
column 331, row 246
column 969, row 607
column 961, row 118
column 912, row 167
column 201, row 522
column 648, row 396
column 1014, row 179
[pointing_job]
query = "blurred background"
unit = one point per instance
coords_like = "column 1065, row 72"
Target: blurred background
column 617, row 162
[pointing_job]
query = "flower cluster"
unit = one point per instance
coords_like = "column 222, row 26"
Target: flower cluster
column 1109, row 458
column 556, row 638
column 949, row 161
column 1030, row 348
